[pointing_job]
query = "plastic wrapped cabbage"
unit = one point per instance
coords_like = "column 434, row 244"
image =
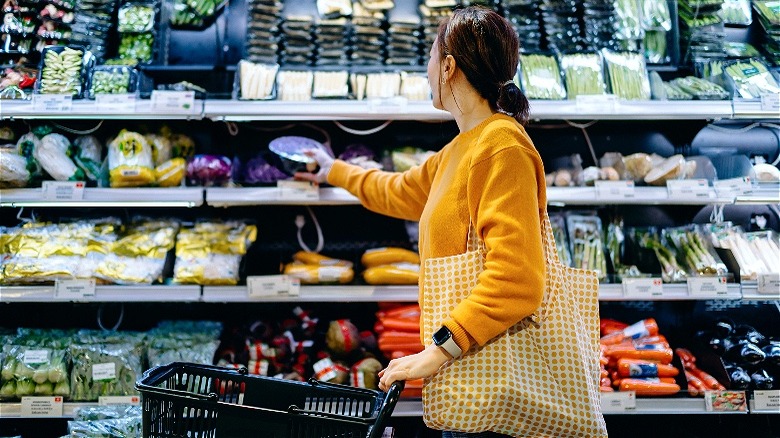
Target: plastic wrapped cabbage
column 130, row 160
column 209, row 170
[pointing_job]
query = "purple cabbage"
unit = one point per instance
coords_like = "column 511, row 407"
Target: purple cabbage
column 209, row 170
column 257, row 170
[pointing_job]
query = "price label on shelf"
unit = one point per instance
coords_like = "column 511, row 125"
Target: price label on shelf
column 688, row 188
column 42, row 406
column 733, row 186
column 769, row 283
column 768, row 400
column 707, row 287
column 725, row 401
column 770, row 102
column 642, row 288
column 620, row 401
column 115, row 103
column 52, row 102
column 74, row 289
column 119, row 400
column 63, row 190
column 615, row 189
column 396, row 104
column 297, row 191
column 272, row 286
column 606, row 103
column 173, row 101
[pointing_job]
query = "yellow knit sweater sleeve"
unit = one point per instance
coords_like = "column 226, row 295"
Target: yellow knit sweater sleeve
column 397, row 194
column 506, row 196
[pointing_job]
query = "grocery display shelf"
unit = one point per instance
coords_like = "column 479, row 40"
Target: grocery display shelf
column 671, row 292
column 136, row 109
column 319, row 294
column 615, row 109
column 14, row 410
column 753, row 109
column 226, row 197
column 750, row 292
column 113, row 293
column 106, row 197
column 327, row 110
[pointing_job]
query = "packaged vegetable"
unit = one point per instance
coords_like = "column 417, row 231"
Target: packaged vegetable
column 750, row 78
column 26, row 146
column 694, row 251
column 13, row 169
column 257, row 171
column 105, row 369
column 737, row 12
column 32, row 370
column 670, row 168
column 587, row 243
column 89, row 156
column 584, row 74
column 130, row 160
column 52, row 154
column 559, row 231
column 136, row 17
column 637, row 166
column 649, row 238
column 541, row 77
column 389, row 255
column 170, row 173
column 627, row 75
column 119, row 427
column 316, row 274
column 162, row 148
column 701, row 89
column 313, row 258
column 210, row 253
column 397, row 273
column 61, row 69
column 256, row 80
column 209, row 170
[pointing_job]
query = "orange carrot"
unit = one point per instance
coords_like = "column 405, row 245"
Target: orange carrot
column 642, row 387
column 652, row 352
column 645, row 368
column 405, row 325
column 707, row 380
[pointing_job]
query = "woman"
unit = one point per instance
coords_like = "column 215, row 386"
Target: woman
column 490, row 174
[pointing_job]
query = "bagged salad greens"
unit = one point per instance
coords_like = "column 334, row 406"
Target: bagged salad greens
column 106, row 364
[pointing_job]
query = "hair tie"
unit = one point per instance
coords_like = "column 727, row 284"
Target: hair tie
column 509, row 82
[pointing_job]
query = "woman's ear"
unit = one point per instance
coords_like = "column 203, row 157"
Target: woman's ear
column 448, row 67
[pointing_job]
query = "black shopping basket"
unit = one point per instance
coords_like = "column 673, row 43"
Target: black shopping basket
column 182, row 400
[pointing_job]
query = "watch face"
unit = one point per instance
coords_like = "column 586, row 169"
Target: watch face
column 441, row 336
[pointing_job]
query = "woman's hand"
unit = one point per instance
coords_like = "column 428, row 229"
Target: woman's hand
column 324, row 161
column 417, row 366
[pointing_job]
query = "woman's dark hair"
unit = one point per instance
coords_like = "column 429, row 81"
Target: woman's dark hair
column 486, row 49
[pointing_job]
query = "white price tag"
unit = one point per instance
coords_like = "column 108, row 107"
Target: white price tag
column 74, row 289
column 733, row 186
column 688, row 188
column 642, row 287
column 104, row 371
column 116, row 103
column 607, row 103
column 297, row 191
column 725, row 401
column 173, row 101
column 272, row 286
column 42, row 406
column 393, row 104
column 769, row 283
column 767, row 400
column 63, row 190
column 615, row 189
column 707, row 286
column 52, row 102
column 619, row 401
column 134, row 400
column 770, row 102
column 35, row 357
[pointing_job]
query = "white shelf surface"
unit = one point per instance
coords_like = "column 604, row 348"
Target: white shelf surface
column 631, row 110
column 319, row 294
column 108, row 197
column 226, row 197
column 88, row 109
column 751, row 109
column 124, row 294
column 392, row 109
column 642, row 196
column 671, row 292
column 750, row 293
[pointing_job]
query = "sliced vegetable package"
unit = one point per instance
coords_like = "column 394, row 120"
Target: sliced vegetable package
column 256, row 81
column 766, row 245
column 627, row 75
column 587, row 243
column 541, row 77
column 584, row 73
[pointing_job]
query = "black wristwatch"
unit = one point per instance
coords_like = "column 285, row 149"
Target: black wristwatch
column 443, row 338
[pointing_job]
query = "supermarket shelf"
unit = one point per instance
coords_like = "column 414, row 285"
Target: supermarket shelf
column 127, row 293
column 141, row 109
column 642, row 196
column 388, row 109
column 14, row 410
column 646, row 406
column 671, row 292
column 631, row 110
column 750, row 293
column 752, row 110
column 320, row 294
column 108, row 197
column 763, row 193
column 226, row 197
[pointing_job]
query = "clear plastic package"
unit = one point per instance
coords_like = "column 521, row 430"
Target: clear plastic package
column 136, row 17
column 112, row 79
column 584, row 73
column 587, row 243
column 541, row 77
column 627, row 75
column 694, row 251
column 294, row 85
column 256, row 81
column 750, row 78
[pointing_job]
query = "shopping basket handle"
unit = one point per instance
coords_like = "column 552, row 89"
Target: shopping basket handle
column 393, row 394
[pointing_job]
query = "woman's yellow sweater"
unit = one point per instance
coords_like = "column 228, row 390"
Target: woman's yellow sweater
column 493, row 175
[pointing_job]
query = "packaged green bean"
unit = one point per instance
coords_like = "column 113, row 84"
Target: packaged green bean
column 701, row 89
column 584, row 73
column 627, row 75
column 541, row 78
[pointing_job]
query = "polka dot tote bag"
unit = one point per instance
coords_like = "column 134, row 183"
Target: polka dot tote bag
column 538, row 379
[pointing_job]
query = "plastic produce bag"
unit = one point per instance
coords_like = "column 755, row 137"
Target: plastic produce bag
column 130, row 160
column 258, row 171
column 587, row 243
column 34, row 371
column 129, row 427
column 701, row 89
column 584, row 74
column 13, row 169
column 170, row 173
column 541, row 78
column 88, row 156
column 52, row 154
column 737, row 12
column 136, row 17
column 105, row 370
column 627, row 75
column 209, row 170
column 162, row 148
column 108, row 412
column 26, row 145
column 694, row 251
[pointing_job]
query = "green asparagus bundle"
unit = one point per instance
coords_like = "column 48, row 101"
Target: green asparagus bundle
column 671, row 271
column 627, row 75
column 700, row 88
column 655, row 46
column 587, row 244
column 751, row 78
column 584, row 74
column 541, row 77
column 693, row 250
column 673, row 92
